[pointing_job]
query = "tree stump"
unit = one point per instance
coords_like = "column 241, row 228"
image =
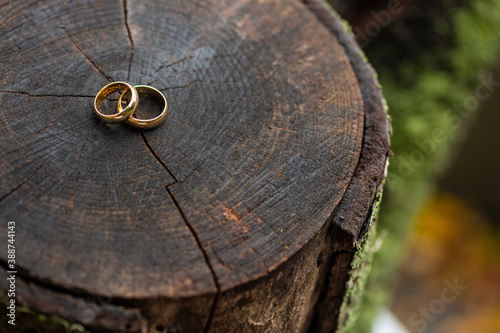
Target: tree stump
column 241, row 213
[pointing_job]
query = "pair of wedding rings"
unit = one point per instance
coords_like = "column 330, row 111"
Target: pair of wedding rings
column 126, row 114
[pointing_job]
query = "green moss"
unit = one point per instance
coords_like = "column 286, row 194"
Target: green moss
column 345, row 25
column 31, row 321
column 427, row 95
column 359, row 272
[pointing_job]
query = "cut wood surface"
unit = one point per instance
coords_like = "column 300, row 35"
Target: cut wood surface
column 221, row 218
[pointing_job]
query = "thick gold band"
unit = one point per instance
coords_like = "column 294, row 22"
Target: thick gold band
column 146, row 123
column 122, row 114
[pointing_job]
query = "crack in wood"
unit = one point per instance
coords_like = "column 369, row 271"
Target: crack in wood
column 62, row 26
column 193, row 81
column 23, row 183
column 194, row 170
column 153, row 152
column 172, row 64
column 42, row 95
column 125, row 16
column 77, row 165
column 43, row 129
column 212, row 312
column 178, row 87
column 191, row 229
column 205, row 255
column 85, row 56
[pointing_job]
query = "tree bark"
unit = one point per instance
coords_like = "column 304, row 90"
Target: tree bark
column 231, row 215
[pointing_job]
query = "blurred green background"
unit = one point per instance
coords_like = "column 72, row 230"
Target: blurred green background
column 438, row 64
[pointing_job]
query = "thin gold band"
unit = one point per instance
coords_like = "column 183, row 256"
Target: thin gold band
column 122, row 114
column 146, row 123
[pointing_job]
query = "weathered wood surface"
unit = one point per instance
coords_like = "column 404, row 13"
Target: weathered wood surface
column 221, row 218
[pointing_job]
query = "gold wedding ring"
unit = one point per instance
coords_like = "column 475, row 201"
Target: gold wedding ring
column 146, row 123
column 127, row 114
column 123, row 114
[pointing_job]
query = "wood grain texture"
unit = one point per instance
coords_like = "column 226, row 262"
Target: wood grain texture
column 227, row 205
column 352, row 220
